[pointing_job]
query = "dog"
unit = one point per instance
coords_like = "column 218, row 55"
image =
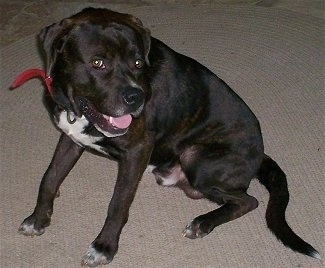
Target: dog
column 121, row 93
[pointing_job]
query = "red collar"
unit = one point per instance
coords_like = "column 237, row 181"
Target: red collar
column 33, row 73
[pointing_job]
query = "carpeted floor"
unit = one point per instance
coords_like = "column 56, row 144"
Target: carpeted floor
column 272, row 58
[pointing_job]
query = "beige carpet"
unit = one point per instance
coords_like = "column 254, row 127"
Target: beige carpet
column 272, row 58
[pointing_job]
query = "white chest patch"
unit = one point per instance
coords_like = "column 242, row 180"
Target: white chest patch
column 76, row 132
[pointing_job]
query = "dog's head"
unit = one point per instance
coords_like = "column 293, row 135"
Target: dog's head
column 97, row 59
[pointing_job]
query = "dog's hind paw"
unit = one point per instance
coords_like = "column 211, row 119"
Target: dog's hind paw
column 29, row 229
column 197, row 229
column 93, row 258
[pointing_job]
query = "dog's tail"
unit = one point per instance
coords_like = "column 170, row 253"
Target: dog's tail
column 274, row 179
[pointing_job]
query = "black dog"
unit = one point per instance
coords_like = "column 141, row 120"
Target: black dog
column 120, row 92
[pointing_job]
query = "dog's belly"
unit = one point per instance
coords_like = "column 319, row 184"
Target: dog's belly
column 76, row 131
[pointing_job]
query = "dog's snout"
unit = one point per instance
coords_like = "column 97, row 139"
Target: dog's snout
column 133, row 96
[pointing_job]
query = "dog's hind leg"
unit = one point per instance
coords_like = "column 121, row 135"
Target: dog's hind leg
column 66, row 155
column 223, row 181
column 235, row 207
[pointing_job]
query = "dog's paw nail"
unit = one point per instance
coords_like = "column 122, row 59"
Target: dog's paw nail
column 188, row 232
column 29, row 230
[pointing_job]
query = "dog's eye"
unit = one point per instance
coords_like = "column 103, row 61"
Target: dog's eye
column 98, row 64
column 139, row 64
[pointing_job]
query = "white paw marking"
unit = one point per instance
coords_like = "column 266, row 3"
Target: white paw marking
column 93, row 258
column 29, row 230
column 316, row 255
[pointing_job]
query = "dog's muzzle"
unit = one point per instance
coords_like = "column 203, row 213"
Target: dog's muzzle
column 104, row 123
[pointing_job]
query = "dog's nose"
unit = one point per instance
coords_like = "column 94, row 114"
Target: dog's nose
column 133, row 96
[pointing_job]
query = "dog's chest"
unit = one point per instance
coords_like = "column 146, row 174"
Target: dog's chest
column 76, row 131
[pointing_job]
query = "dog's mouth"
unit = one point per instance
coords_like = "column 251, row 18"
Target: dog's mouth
column 108, row 125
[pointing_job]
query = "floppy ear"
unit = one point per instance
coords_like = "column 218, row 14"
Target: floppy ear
column 52, row 40
column 145, row 35
column 146, row 38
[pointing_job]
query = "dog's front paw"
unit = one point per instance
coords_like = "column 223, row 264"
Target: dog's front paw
column 198, row 228
column 32, row 225
column 94, row 257
column 28, row 229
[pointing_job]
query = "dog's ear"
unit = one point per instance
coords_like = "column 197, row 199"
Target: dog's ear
column 145, row 34
column 52, row 40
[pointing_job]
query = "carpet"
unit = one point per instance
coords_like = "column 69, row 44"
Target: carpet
column 272, row 58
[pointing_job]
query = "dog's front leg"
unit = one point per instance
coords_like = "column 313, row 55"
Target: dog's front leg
column 131, row 168
column 66, row 155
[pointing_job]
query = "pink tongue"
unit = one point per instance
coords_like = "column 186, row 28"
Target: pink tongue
column 121, row 122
